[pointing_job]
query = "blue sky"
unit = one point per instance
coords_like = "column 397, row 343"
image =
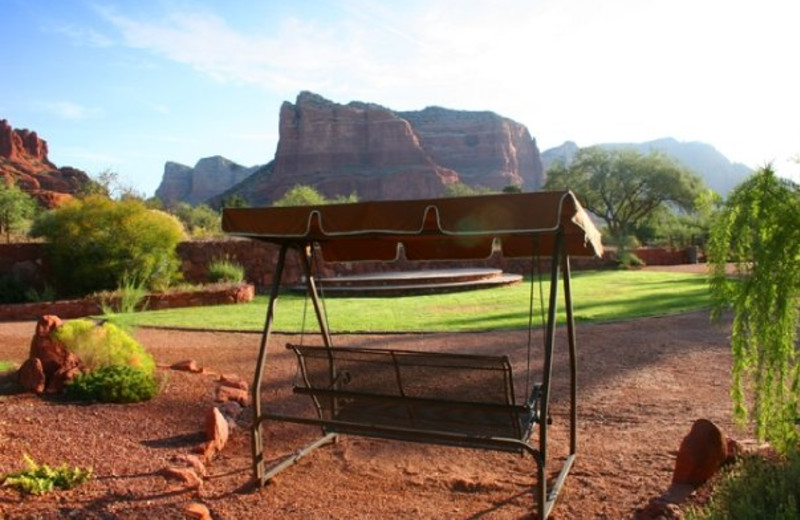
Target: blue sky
column 127, row 86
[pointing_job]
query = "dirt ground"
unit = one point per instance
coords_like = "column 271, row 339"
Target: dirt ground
column 641, row 385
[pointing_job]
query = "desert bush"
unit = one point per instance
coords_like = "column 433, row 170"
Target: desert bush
column 94, row 242
column 39, row 479
column 118, row 369
column 127, row 298
column 104, row 345
column 224, row 270
column 113, row 384
column 753, row 489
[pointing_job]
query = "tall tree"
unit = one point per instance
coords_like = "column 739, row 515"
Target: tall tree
column 304, row 195
column 624, row 187
column 15, row 207
column 758, row 230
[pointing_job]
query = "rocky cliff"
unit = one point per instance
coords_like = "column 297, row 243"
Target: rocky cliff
column 209, row 177
column 24, row 161
column 381, row 154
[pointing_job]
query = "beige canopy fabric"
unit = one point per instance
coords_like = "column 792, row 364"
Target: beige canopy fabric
column 521, row 224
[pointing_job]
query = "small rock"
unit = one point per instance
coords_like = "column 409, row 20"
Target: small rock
column 185, row 475
column 187, row 365
column 233, row 381
column 31, row 375
column 197, row 511
column 216, row 429
column 231, row 409
column 226, row 393
column 194, row 462
column 701, row 454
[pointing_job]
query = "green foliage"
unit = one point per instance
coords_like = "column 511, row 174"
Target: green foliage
column 624, row 187
column 39, row 479
column 759, row 230
column 512, row 188
column 460, row 189
column 304, row 195
column 7, row 366
column 104, row 345
column 127, row 298
column 224, row 270
column 200, row 221
column 12, row 290
column 93, row 243
column 15, row 207
column 754, row 489
column 113, row 384
column 107, row 184
column 234, row 201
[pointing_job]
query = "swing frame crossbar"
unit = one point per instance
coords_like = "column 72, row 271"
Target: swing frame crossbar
column 335, row 405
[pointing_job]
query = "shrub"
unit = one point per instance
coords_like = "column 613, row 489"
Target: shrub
column 105, row 345
column 119, row 369
column 224, row 270
column 127, row 298
column 113, row 384
column 12, row 290
column 753, row 489
column 94, row 242
column 38, row 479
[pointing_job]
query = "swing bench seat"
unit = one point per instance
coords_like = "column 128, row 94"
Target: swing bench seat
column 453, row 399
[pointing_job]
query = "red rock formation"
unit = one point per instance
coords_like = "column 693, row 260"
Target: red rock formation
column 381, row 154
column 24, row 161
column 701, row 454
column 50, row 365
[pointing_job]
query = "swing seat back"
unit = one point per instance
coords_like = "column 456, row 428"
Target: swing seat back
column 413, row 395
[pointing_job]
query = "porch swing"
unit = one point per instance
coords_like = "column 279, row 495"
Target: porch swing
column 455, row 399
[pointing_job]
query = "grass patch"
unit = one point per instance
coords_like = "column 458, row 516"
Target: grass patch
column 7, row 366
column 599, row 296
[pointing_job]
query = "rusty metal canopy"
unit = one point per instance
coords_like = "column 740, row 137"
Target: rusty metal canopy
column 520, row 224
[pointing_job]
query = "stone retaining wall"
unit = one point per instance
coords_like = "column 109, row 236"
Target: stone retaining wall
column 257, row 258
column 69, row 309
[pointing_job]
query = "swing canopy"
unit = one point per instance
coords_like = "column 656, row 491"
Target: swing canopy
column 519, row 224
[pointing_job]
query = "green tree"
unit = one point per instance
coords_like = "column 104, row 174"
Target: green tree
column 624, row 187
column 304, row 195
column 758, row 230
column 95, row 243
column 15, row 207
column 107, row 184
column 200, row 221
column 234, row 201
column 459, row 189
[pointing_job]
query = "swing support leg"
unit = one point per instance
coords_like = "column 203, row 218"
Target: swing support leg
column 546, row 500
column 257, row 439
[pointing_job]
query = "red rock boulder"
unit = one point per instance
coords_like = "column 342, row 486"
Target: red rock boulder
column 701, row 454
column 48, row 359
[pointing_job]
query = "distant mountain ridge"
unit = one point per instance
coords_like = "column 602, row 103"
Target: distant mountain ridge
column 718, row 171
column 381, row 154
column 209, row 177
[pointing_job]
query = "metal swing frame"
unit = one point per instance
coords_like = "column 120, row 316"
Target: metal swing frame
column 333, row 426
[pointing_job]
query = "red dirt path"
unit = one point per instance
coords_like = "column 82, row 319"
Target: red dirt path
column 641, row 385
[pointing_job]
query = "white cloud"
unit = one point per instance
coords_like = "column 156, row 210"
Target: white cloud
column 82, row 36
column 68, row 110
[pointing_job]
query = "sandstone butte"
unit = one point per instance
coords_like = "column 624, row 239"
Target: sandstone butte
column 23, row 160
column 382, row 154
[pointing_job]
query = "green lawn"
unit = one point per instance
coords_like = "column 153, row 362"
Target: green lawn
column 598, row 296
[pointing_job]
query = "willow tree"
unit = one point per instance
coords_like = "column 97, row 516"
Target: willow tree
column 758, row 230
